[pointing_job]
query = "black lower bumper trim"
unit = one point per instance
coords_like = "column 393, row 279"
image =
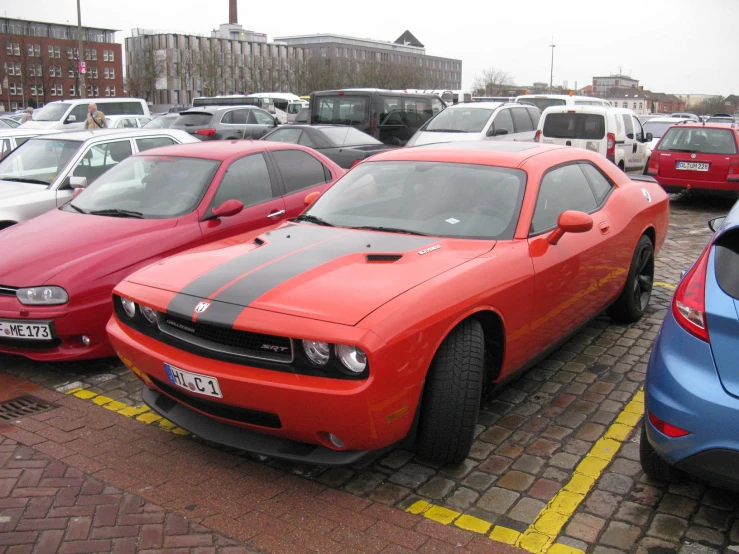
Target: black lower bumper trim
column 250, row 441
column 718, row 465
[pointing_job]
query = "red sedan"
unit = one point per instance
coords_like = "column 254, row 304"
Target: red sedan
column 698, row 157
column 421, row 277
column 58, row 270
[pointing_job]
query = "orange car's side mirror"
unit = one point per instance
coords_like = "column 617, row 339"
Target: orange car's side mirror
column 570, row 222
column 312, row 197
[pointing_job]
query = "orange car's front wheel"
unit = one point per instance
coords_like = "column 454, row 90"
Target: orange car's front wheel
column 451, row 397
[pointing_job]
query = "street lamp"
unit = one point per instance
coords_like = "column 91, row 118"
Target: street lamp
column 551, row 71
column 80, row 50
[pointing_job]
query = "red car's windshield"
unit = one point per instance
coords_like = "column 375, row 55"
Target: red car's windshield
column 149, row 187
column 430, row 198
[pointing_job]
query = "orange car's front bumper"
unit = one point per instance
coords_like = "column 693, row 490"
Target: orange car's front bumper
column 278, row 413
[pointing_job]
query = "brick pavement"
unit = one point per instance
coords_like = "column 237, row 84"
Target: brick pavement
column 530, row 436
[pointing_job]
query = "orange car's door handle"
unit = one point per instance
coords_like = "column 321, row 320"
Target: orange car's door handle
column 605, row 228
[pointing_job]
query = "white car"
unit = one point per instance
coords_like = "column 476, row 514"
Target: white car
column 479, row 121
column 615, row 133
column 43, row 174
column 10, row 139
column 657, row 127
column 69, row 114
column 544, row 101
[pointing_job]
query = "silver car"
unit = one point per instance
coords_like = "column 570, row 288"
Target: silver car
column 10, row 139
column 479, row 121
column 43, row 173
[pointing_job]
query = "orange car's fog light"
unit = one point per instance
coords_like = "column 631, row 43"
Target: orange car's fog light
column 399, row 413
column 126, row 361
column 143, row 376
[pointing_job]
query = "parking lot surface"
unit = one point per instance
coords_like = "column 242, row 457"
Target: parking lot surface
column 554, row 466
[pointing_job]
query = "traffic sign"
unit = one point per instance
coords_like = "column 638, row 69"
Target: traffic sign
column 83, row 67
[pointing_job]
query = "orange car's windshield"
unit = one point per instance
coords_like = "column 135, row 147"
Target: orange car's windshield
column 429, row 198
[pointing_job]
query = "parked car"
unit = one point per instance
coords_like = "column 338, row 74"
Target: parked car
column 721, row 119
column 648, row 117
column 685, row 115
column 544, row 101
column 44, row 173
column 178, row 109
column 127, row 121
column 657, row 127
column 302, row 117
column 691, row 406
column 225, row 122
column 456, row 263
column 162, row 121
column 69, row 114
column 479, row 121
column 148, row 207
column 10, row 139
column 8, row 122
column 344, row 145
column 697, row 157
column 392, row 117
column 614, row 133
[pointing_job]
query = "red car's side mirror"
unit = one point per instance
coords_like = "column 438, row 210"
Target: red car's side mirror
column 570, row 222
column 312, row 197
column 228, row 208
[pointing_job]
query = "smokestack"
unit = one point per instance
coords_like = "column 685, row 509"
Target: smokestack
column 233, row 18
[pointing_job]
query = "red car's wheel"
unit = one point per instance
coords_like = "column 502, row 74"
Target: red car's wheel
column 634, row 299
column 451, row 397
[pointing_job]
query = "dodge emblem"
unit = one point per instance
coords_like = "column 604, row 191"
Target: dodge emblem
column 200, row 308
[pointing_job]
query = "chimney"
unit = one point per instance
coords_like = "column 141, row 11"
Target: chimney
column 233, row 18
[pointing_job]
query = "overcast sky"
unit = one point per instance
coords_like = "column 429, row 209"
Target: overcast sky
column 676, row 46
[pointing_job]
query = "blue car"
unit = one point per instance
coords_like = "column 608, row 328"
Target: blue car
column 691, row 422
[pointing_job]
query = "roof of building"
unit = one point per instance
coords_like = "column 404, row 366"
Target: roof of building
column 407, row 39
column 97, row 28
column 627, row 92
column 616, row 77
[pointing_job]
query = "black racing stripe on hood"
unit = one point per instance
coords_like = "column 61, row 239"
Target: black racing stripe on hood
column 244, row 291
column 279, row 242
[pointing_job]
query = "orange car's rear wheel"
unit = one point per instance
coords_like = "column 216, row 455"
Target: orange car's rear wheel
column 634, row 299
column 451, row 397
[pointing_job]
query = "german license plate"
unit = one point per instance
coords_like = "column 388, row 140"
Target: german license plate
column 693, row 166
column 193, row 382
column 25, row 330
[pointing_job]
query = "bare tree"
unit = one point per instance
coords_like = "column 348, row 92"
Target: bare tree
column 146, row 68
column 492, row 82
column 710, row 106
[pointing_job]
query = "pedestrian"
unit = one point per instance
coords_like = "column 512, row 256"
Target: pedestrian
column 95, row 119
column 28, row 115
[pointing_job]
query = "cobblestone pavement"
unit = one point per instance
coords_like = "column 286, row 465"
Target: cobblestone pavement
column 530, row 436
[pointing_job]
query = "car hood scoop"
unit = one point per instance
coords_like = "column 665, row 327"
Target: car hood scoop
column 325, row 273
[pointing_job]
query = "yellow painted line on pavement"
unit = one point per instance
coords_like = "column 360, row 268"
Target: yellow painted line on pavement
column 664, row 285
column 143, row 414
column 540, row 536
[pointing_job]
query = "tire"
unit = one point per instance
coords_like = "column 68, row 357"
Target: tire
column 651, row 462
column 451, row 397
column 621, row 166
column 632, row 303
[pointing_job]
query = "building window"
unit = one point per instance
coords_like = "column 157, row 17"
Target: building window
column 34, row 50
column 71, row 90
column 640, row 105
column 16, row 89
column 107, row 91
column 107, row 73
column 57, row 52
column 112, row 91
column 93, row 72
column 112, row 73
column 625, row 104
column 69, row 53
column 72, row 73
column 53, row 91
column 96, row 90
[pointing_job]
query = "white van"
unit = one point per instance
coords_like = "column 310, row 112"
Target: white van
column 544, row 101
column 68, row 114
column 615, row 133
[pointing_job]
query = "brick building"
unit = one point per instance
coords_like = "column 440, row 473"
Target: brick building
column 39, row 63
